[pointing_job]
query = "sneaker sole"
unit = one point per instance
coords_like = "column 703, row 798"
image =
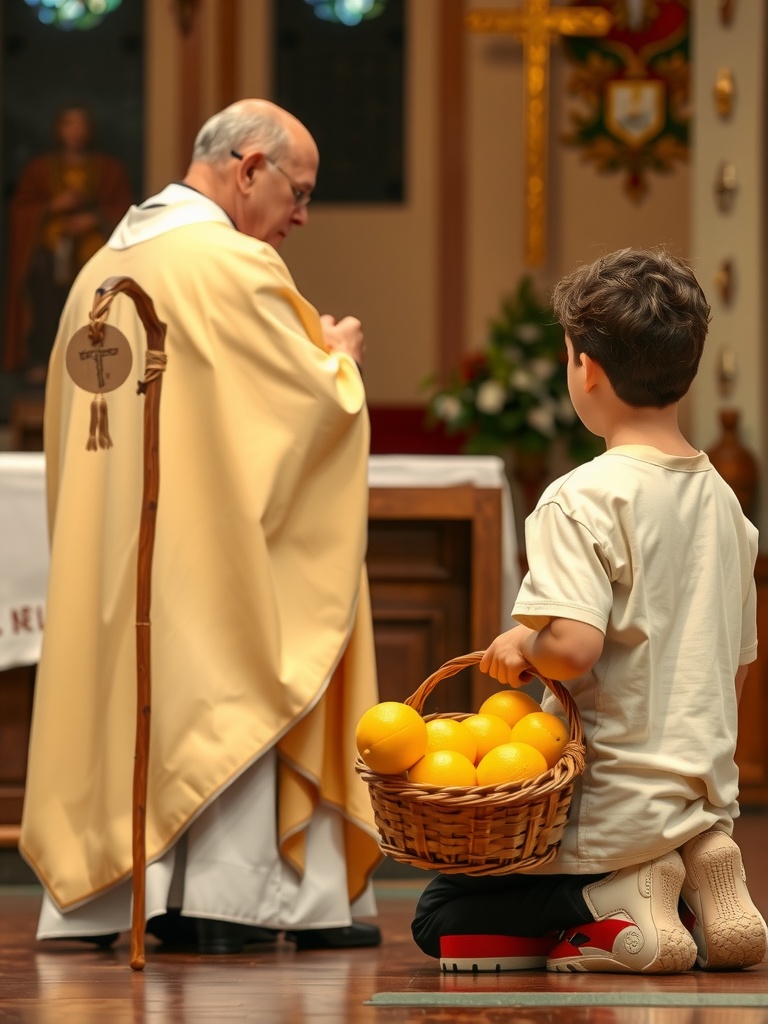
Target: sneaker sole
column 488, row 964
column 494, row 953
column 729, row 932
column 676, row 950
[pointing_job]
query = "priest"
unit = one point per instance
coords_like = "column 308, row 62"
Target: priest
column 262, row 644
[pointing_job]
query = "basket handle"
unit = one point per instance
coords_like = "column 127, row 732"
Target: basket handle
column 450, row 668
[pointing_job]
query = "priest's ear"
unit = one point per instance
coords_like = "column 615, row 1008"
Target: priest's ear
column 249, row 162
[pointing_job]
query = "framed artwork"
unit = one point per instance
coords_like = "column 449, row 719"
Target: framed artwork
column 45, row 71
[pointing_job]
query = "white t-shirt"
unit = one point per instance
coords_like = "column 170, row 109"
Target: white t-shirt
column 654, row 551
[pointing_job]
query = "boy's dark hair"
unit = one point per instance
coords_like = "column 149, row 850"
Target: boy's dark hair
column 640, row 314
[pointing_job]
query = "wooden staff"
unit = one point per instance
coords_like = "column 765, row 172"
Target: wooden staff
column 150, row 386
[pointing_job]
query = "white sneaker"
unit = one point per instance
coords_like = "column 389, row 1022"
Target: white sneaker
column 636, row 927
column 728, row 929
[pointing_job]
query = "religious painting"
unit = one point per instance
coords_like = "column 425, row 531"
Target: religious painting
column 632, row 90
column 72, row 136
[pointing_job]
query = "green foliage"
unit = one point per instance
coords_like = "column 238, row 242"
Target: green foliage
column 514, row 393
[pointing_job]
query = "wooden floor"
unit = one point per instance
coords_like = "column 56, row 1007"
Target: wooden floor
column 59, row 983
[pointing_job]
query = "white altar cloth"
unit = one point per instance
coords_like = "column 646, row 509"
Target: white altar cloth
column 24, row 534
column 23, row 557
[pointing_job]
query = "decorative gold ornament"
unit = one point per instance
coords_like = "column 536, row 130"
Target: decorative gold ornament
column 536, row 25
column 725, row 186
column 186, row 11
column 726, row 371
column 725, row 92
column 727, row 10
column 724, row 281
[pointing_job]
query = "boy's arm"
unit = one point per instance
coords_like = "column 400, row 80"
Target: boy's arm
column 563, row 649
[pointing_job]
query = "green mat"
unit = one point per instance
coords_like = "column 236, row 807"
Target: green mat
column 740, row 999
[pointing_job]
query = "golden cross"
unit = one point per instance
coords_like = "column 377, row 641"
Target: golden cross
column 536, row 25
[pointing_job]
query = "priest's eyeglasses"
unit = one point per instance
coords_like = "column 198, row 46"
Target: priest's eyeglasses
column 300, row 196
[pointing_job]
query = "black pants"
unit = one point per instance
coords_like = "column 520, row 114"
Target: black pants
column 498, row 905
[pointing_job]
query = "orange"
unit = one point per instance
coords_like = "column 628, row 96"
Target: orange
column 390, row 737
column 489, row 731
column 511, row 705
column 451, row 734
column 546, row 732
column 444, row 768
column 510, row 762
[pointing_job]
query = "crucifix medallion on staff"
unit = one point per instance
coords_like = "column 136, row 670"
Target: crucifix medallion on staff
column 100, row 365
column 536, row 25
column 98, row 359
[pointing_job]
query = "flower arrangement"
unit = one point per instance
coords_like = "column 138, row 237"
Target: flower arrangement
column 514, row 393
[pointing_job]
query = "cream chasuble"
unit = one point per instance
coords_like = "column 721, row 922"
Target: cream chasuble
column 261, row 628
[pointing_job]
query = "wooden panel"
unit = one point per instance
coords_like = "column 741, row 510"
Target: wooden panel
column 752, row 748
column 450, row 538
column 16, row 688
column 420, row 582
column 481, row 507
column 408, row 649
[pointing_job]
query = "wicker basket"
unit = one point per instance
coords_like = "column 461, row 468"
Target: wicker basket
column 478, row 830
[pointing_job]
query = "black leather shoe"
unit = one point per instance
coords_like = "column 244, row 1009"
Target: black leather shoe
column 102, row 941
column 173, row 930
column 229, row 937
column 356, row 934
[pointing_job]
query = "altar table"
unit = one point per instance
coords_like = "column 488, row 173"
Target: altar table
column 471, row 488
column 442, row 564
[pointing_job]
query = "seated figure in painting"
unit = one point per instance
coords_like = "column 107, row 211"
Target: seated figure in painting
column 66, row 204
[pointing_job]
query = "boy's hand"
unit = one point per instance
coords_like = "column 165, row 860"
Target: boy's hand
column 504, row 658
column 563, row 649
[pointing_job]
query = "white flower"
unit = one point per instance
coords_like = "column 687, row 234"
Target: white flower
column 491, row 397
column 447, row 408
column 542, row 368
column 542, row 419
column 523, row 380
column 528, row 333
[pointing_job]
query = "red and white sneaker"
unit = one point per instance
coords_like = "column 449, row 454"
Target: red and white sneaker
column 727, row 927
column 636, row 927
column 494, row 952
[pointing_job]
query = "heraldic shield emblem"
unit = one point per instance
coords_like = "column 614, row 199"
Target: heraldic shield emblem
column 632, row 90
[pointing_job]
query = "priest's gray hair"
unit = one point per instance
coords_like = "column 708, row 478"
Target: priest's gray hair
column 232, row 129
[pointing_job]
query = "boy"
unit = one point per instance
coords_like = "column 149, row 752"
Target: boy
column 640, row 594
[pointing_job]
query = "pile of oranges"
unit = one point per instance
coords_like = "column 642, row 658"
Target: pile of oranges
column 509, row 739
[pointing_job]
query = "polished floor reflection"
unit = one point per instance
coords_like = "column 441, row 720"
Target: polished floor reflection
column 59, row 983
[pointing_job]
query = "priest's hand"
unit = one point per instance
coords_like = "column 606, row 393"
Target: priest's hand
column 345, row 335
